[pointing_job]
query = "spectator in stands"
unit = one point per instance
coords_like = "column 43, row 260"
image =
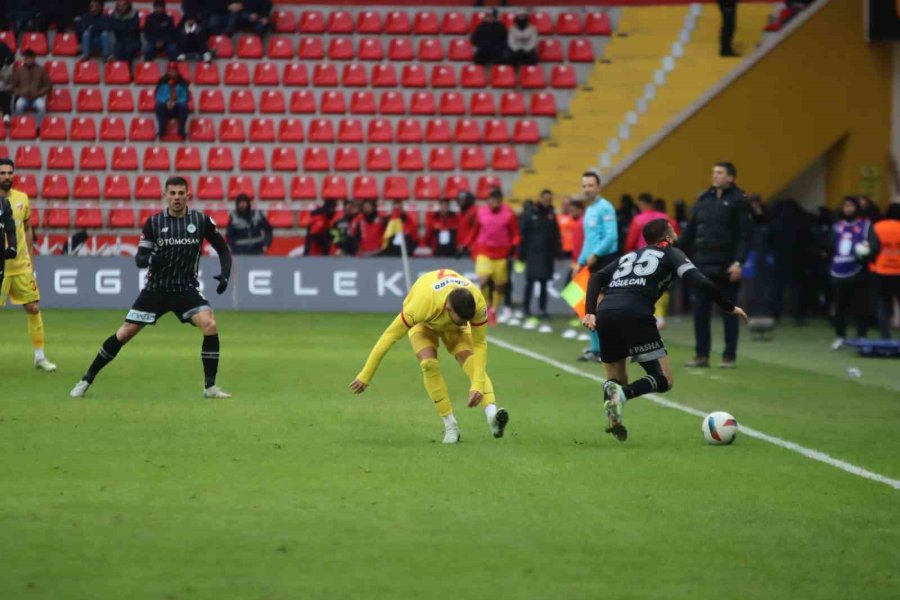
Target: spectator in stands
column 125, row 25
column 468, row 218
column 368, row 229
column 539, row 246
column 30, row 85
column 159, row 33
column 318, row 233
column 248, row 230
column 193, row 39
column 887, row 267
column 854, row 245
column 257, row 14
column 440, row 230
column 342, row 241
column 93, row 31
column 172, row 101
column 728, row 8
column 22, row 15
column 224, row 16
column 401, row 227
column 490, row 40
column 717, row 236
column 6, row 73
column 58, row 13
column 522, row 42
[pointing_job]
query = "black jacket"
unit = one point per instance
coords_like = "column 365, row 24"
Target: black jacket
column 248, row 232
column 91, row 21
column 7, row 232
column 540, row 243
column 160, row 28
column 717, row 233
column 490, row 35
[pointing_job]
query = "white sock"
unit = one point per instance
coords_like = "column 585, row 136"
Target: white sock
column 449, row 421
column 38, row 354
column 489, row 411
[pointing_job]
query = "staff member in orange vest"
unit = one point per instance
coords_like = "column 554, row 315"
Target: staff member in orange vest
column 887, row 266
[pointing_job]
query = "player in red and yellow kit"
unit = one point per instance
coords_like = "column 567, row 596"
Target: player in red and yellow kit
column 19, row 283
column 443, row 305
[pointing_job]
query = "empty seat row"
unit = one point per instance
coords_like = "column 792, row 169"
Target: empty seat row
column 122, row 216
column 271, row 187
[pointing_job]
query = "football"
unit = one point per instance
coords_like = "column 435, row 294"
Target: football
column 719, row 428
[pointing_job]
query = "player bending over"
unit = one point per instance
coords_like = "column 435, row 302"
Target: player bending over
column 170, row 246
column 620, row 302
column 443, row 305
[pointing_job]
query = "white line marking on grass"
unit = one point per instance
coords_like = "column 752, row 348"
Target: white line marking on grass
column 786, row 444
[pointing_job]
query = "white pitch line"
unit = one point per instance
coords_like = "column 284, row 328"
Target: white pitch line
column 786, row 444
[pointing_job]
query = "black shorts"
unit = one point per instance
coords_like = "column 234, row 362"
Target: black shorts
column 153, row 304
column 623, row 334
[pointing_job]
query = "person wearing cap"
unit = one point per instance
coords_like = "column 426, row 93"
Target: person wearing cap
column 249, row 232
column 172, row 101
column 159, row 33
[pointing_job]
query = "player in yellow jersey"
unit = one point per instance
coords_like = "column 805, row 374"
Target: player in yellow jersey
column 443, row 305
column 19, row 282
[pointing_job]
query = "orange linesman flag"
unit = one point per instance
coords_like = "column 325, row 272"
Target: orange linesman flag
column 576, row 292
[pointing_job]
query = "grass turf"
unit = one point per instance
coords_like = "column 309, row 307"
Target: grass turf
column 297, row 489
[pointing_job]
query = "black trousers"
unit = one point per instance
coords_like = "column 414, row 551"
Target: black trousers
column 163, row 114
column 529, row 293
column 851, row 299
column 728, row 8
column 702, row 313
column 888, row 294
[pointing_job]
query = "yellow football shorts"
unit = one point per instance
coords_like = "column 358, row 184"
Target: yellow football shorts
column 497, row 270
column 455, row 340
column 21, row 289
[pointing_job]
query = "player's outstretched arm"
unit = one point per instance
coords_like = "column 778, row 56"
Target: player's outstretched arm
column 216, row 240
column 695, row 277
column 396, row 330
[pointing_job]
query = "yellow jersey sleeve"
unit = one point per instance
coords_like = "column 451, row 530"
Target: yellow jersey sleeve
column 479, row 342
column 396, row 330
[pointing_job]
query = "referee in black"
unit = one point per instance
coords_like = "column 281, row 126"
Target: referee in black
column 170, row 246
column 9, row 243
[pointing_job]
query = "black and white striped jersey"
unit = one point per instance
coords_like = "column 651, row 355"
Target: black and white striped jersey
column 175, row 244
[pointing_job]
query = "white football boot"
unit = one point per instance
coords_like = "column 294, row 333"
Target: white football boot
column 80, row 389
column 45, row 365
column 215, row 392
column 451, row 434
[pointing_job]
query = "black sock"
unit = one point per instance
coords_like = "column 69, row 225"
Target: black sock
column 209, row 353
column 644, row 385
column 108, row 351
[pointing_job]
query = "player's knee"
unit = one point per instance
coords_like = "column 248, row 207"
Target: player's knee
column 126, row 332
column 210, row 327
column 430, row 367
column 463, row 356
column 32, row 308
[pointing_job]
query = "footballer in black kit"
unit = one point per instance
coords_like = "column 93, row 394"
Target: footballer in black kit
column 170, row 247
column 619, row 306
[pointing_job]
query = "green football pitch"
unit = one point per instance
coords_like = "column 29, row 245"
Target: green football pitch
column 298, row 489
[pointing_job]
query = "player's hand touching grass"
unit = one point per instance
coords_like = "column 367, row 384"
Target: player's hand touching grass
column 590, row 321
column 358, row 387
column 475, row 398
column 223, row 282
column 739, row 312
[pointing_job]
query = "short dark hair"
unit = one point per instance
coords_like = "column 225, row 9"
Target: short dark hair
column 159, row 3
column 728, row 166
column 656, row 230
column 893, row 211
column 463, row 303
column 645, row 198
column 7, row 161
column 591, row 174
column 176, row 180
column 546, row 191
column 29, row 53
column 496, row 193
column 242, row 198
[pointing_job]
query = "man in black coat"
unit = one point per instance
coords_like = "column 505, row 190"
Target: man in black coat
column 717, row 238
column 159, row 33
column 248, row 231
column 489, row 40
column 540, row 245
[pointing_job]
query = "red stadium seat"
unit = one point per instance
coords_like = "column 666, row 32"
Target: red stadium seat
column 526, row 132
column 380, row 131
column 362, row 103
column 430, row 50
column 512, row 104
column 410, row 159
column 365, row 187
column 55, row 187
column 369, row 22
column 60, row 100
column 543, row 104
column 58, row 72
column 252, row 158
column 441, row 159
column 333, row 103
column 92, row 158
column 303, row 187
column 350, row 131
column 340, row 21
column 414, row 76
column 147, row 100
column 116, row 72
column 532, row 77
column 206, row 73
column 563, row 77
column 64, row 44
column 89, row 217
column 240, row 184
column 156, row 158
column 354, row 75
column 265, row 73
column 472, row 158
column 222, row 46
column 284, row 21
column 284, row 159
column 279, row 216
column 112, row 129
column 325, row 75
column 120, row 100
column 29, row 157
column 315, row 158
column 187, row 158
column 220, row 158
column 505, row 159
column 508, row 19
column 212, row 101
column 346, row 158
column 496, row 132
column 201, row 130
column 321, row 131
column 295, row 74
column 209, row 187
column 409, row 131
column 427, row 187
column 116, row 187
column 271, row 187
column 472, row 76
column 549, row 50
column 26, row 183
column 467, row 132
column 52, row 129
column 397, row 23
column 400, row 49
column 334, row 188
column 237, row 73
column 396, row 187
column 580, row 50
column 86, row 187
column 122, row 216
column 232, row 130
column 422, row 103
column 23, row 127
column 384, row 75
column 146, row 212
column 456, row 184
column 426, row 23
column 371, row 49
column 438, row 131
column 142, row 130
column 597, row 23
column 485, row 184
column 302, row 102
column 391, row 103
column 145, row 73
column 90, row 100
column 568, row 23
column 312, row 21
column 460, row 50
column 249, row 46
column 56, row 216
column 86, row 73
column 543, row 22
column 241, row 101
column 147, row 187
column 482, row 103
column 262, row 130
column 311, row 48
column 340, row 48
column 503, row 76
column 36, row 42
column 280, row 48
column 272, row 102
column 290, row 131
column 454, row 23
column 124, row 158
column 452, row 103
column 443, row 76
column 378, row 158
